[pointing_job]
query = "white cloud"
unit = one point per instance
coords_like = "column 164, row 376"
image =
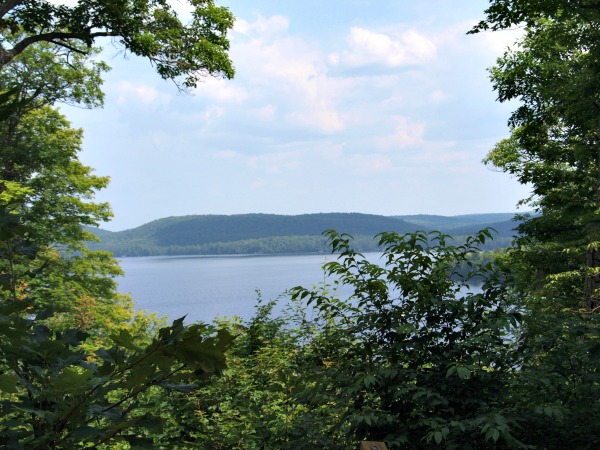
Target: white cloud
column 490, row 44
column 213, row 112
column 498, row 42
column 322, row 118
column 407, row 133
column 183, row 9
column 438, row 96
column 224, row 91
column 368, row 47
column 266, row 112
column 262, row 26
column 373, row 163
column 444, row 153
column 290, row 74
column 141, row 93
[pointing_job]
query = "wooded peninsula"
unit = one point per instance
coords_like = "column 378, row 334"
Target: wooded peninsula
column 272, row 234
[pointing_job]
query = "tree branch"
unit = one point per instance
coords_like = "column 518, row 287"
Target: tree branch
column 68, row 47
column 6, row 6
column 53, row 37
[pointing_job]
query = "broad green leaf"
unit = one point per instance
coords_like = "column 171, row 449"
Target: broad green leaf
column 463, row 372
column 72, row 380
column 124, row 339
column 9, row 383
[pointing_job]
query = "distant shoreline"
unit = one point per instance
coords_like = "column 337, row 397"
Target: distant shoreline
column 269, row 234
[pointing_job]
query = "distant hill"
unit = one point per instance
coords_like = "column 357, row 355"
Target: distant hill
column 448, row 224
column 504, row 228
column 270, row 233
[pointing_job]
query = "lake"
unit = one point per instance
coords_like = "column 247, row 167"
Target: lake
column 204, row 287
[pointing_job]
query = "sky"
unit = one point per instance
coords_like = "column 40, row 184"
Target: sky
column 380, row 107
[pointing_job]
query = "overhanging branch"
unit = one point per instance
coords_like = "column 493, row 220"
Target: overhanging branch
column 6, row 6
column 56, row 37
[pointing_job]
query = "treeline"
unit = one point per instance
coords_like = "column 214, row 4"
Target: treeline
column 273, row 245
column 269, row 234
column 264, row 246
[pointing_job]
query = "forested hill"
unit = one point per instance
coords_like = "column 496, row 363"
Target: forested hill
column 270, row 233
column 466, row 224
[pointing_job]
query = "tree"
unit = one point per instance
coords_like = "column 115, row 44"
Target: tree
column 554, row 147
column 40, row 76
column 49, row 59
column 40, row 153
column 148, row 28
column 252, row 406
column 74, row 370
column 54, row 393
column 555, row 140
column 415, row 357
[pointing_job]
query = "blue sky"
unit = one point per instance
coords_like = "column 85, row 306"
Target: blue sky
column 379, row 107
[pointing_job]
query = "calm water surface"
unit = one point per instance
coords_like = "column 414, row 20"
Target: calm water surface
column 204, row 287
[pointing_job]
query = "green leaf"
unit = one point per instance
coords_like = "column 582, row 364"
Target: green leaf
column 9, row 383
column 125, row 339
column 87, row 432
column 495, row 434
column 463, row 372
column 73, row 380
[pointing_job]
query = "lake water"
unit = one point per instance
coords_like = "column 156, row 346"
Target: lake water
column 204, row 287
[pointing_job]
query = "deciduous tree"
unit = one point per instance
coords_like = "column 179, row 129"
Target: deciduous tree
column 555, row 141
column 148, row 28
column 58, row 389
column 554, row 147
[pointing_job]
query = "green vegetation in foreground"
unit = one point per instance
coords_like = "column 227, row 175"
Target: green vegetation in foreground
column 269, row 233
column 417, row 359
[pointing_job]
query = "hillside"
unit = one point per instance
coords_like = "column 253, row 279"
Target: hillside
column 270, row 233
column 461, row 223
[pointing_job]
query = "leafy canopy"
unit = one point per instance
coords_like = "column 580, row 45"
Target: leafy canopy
column 147, row 28
column 77, row 367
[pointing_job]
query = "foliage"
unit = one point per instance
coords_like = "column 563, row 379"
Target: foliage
column 412, row 358
column 501, row 14
column 555, row 139
column 54, row 393
column 77, row 367
column 554, row 147
column 557, row 391
column 252, row 405
column 148, row 28
column 45, row 74
column 40, row 154
column 423, row 359
column 420, row 356
column 417, row 357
